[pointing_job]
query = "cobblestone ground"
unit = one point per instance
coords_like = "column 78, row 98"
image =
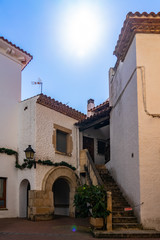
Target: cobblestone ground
column 59, row 228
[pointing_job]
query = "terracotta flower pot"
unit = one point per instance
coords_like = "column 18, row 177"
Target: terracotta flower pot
column 96, row 222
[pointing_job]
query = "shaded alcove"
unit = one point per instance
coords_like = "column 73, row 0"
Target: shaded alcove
column 61, row 196
column 23, row 198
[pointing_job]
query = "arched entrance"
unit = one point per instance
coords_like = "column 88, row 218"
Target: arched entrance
column 61, row 193
column 67, row 175
column 23, row 198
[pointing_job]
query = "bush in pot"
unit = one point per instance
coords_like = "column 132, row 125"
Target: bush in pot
column 91, row 201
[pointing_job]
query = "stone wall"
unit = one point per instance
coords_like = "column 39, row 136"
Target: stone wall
column 40, row 205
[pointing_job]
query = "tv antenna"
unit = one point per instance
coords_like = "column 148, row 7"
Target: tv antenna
column 39, row 82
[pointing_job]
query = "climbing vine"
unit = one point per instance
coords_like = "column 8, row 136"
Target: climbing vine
column 8, row 151
column 30, row 163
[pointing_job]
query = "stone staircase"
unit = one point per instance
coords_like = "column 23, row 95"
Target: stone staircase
column 121, row 219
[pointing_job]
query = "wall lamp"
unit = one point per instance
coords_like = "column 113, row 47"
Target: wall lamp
column 29, row 152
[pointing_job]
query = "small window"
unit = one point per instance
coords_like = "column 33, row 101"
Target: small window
column 101, row 147
column 61, row 142
column 2, row 192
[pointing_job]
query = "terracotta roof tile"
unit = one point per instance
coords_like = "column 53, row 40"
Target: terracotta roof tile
column 60, row 107
column 135, row 23
column 20, row 49
column 100, row 107
column 94, row 117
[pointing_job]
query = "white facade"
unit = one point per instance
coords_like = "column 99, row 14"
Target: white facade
column 124, row 164
column 12, row 61
column 135, row 127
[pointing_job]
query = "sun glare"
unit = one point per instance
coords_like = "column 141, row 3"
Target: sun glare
column 80, row 30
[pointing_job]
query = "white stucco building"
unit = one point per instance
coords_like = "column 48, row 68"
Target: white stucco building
column 135, row 116
column 123, row 132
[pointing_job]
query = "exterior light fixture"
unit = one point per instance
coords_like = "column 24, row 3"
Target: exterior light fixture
column 29, row 152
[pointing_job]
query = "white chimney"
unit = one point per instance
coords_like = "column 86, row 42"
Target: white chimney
column 90, row 105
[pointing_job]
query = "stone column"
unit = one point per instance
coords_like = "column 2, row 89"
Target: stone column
column 109, row 207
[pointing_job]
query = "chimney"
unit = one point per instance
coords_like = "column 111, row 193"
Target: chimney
column 90, row 105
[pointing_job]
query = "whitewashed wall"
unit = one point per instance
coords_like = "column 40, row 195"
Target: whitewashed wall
column 9, row 171
column 148, row 56
column 45, row 120
column 10, row 95
column 27, row 136
column 124, row 163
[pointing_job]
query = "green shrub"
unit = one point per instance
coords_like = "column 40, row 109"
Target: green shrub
column 91, row 201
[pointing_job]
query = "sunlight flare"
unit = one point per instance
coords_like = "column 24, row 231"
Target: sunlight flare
column 81, row 30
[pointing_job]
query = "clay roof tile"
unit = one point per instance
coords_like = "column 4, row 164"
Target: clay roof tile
column 60, row 107
column 135, row 23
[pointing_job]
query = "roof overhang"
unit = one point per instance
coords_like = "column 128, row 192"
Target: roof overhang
column 135, row 23
column 96, row 121
column 15, row 53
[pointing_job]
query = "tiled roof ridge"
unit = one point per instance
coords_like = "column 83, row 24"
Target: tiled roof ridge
column 20, row 49
column 135, row 23
column 145, row 14
column 99, row 106
column 95, row 115
column 60, row 107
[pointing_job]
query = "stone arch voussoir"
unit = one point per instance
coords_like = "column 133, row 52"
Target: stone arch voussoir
column 65, row 173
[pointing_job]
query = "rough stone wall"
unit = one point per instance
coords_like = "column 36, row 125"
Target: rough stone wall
column 41, row 205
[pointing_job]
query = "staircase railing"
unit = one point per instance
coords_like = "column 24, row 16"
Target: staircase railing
column 93, row 177
column 91, row 171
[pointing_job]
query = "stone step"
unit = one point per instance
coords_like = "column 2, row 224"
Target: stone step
column 126, row 233
column 124, row 219
column 119, row 199
column 134, row 225
column 121, row 219
column 122, row 213
column 119, row 208
column 123, row 204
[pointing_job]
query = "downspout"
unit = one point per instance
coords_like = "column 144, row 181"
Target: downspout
column 142, row 69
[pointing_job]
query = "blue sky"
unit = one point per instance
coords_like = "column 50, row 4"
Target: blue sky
column 72, row 43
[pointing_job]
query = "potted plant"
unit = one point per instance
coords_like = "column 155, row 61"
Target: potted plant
column 91, row 201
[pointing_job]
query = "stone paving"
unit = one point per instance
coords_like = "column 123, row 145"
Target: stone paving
column 57, row 229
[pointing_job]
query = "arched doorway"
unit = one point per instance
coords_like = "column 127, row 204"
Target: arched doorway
column 23, row 198
column 61, row 192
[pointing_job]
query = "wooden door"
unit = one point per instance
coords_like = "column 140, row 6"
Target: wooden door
column 88, row 143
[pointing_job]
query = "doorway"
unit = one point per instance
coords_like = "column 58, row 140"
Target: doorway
column 23, row 198
column 61, row 191
column 88, row 143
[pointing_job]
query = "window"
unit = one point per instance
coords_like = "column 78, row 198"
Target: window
column 2, row 192
column 62, row 140
column 101, row 147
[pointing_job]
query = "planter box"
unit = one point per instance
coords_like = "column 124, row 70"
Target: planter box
column 96, row 222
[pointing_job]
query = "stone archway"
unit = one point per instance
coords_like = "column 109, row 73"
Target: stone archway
column 23, row 198
column 41, row 202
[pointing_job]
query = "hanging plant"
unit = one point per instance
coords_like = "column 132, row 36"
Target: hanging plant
column 30, row 163
column 8, row 151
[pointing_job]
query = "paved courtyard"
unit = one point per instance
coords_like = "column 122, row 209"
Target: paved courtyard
column 59, row 228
